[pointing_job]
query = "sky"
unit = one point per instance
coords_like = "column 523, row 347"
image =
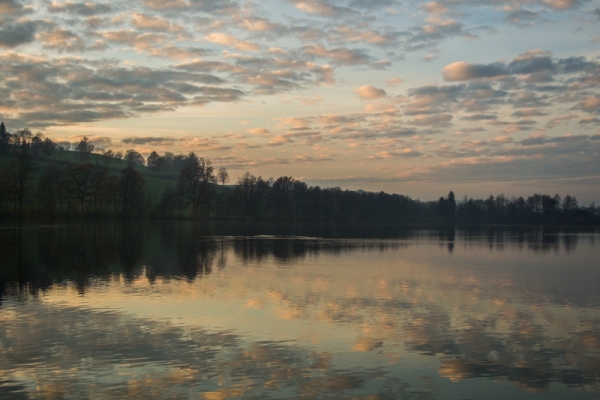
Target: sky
column 410, row 97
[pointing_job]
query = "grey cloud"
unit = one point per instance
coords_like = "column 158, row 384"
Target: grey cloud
column 86, row 9
column 597, row 11
column 436, row 120
column 526, row 64
column 62, row 40
column 205, row 6
column 340, row 56
column 166, row 4
column 529, row 113
column 214, row 6
column 372, row 4
column 148, row 140
column 521, row 17
column 211, row 94
column 406, row 153
column 434, row 30
column 579, row 141
column 321, row 7
column 303, row 159
column 480, row 117
column 187, row 88
column 13, row 7
column 206, row 66
column 13, row 35
column 67, row 90
column 243, row 162
column 589, row 120
column 534, row 63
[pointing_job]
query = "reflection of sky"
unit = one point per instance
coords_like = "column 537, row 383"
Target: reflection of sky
column 412, row 319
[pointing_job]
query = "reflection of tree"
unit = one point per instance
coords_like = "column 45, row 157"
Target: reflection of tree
column 479, row 323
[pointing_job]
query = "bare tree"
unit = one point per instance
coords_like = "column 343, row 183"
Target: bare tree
column 81, row 183
column 223, row 175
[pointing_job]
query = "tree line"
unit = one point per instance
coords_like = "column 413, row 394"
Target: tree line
column 77, row 187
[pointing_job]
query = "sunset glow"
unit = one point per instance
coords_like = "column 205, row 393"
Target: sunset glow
column 411, row 97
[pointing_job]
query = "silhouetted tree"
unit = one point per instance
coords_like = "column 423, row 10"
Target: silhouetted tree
column 569, row 205
column 81, row 183
column 195, row 184
column 151, row 162
column 223, row 175
column 134, row 158
column 51, row 188
column 19, row 174
column 4, row 139
column 131, row 191
column 167, row 203
column 85, row 147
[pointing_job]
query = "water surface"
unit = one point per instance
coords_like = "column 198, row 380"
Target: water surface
column 175, row 310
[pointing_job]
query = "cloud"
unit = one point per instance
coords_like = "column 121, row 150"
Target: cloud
column 435, row 8
column 437, row 120
column 345, row 33
column 590, row 104
column 319, row 7
column 280, row 140
column 62, row 40
column 521, row 17
column 13, row 7
column 258, row 131
column 404, row 153
column 462, row 71
column 96, row 90
column 16, row 34
column 561, row 5
column 368, row 92
column 341, row 56
column 394, row 82
column 589, row 120
column 228, row 40
column 534, row 62
column 145, row 140
column 86, row 9
column 147, row 22
column 554, row 122
column 166, row 4
column 213, row 94
column 245, row 162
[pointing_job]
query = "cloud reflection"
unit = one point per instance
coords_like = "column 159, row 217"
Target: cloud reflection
column 519, row 306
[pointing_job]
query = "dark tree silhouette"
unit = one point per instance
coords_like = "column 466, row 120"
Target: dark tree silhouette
column 134, row 158
column 223, row 175
column 51, row 191
column 85, row 147
column 81, row 182
column 195, row 184
column 4, row 139
column 131, row 192
column 19, row 174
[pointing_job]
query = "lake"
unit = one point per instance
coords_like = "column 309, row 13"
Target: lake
column 273, row 311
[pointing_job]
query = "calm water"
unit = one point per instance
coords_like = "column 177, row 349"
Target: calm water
column 219, row 312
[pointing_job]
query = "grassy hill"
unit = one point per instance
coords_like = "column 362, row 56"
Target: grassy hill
column 155, row 183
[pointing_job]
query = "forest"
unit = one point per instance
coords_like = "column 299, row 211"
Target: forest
column 43, row 179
